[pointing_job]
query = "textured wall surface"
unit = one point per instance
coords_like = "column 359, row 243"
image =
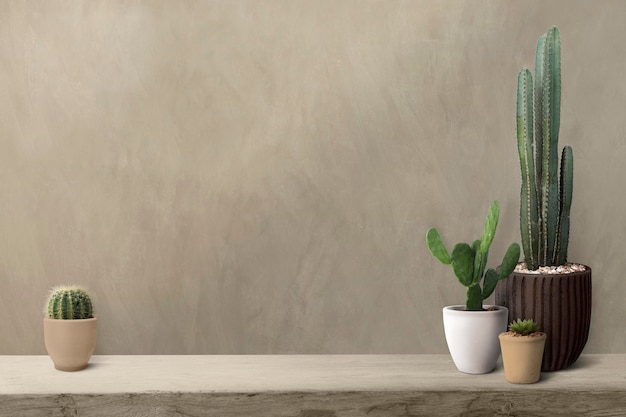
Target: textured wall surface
column 258, row 177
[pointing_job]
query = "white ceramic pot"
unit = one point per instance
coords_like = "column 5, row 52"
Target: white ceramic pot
column 472, row 336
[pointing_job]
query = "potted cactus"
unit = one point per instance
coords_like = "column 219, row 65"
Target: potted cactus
column 522, row 352
column 70, row 329
column 472, row 330
column 555, row 292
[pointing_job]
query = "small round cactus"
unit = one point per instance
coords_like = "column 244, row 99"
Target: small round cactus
column 523, row 327
column 69, row 303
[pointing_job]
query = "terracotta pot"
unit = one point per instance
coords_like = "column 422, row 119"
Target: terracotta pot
column 472, row 337
column 70, row 343
column 521, row 357
column 561, row 306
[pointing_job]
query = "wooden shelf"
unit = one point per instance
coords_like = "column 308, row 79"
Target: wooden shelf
column 303, row 386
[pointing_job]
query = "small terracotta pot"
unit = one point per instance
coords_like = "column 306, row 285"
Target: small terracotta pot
column 70, row 343
column 522, row 356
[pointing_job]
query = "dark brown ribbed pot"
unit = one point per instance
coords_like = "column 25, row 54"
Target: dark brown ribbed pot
column 561, row 306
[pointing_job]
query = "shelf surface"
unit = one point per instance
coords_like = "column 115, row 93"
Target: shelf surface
column 303, row 386
column 258, row 373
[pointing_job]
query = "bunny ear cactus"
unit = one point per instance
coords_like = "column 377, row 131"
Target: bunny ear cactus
column 69, row 303
column 469, row 262
column 546, row 197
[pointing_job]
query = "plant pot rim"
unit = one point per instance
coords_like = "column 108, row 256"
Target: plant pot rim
column 70, row 320
column 556, row 274
column 523, row 339
column 460, row 308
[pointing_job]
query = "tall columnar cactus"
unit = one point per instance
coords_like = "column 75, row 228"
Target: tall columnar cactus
column 545, row 198
column 468, row 262
column 69, row 303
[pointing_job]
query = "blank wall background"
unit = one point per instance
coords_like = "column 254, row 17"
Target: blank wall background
column 258, row 177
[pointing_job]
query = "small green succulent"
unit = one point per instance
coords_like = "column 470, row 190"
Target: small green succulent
column 524, row 327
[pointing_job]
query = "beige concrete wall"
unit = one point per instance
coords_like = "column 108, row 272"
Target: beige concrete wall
column 258, row 176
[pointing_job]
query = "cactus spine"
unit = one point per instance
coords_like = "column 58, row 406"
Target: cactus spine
column 468, row 262
column 545, row 197
column 69, row 303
